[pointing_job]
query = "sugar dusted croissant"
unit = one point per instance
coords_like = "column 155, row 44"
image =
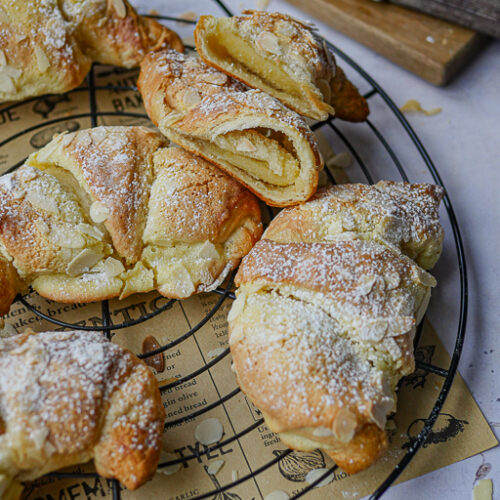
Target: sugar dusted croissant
column 110, row 211
column 402, row 215
column 69, row 397
column 247, row 133
column 322, row 327
column 285, row 58
column 48, row 46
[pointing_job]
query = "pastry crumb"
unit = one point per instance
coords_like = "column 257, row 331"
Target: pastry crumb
column 414, row 105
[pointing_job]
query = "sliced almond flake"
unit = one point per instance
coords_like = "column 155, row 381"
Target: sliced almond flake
column 214, row 78
column 277, row 495
column 3, row 59
column 209, row 431
column 208, row 251
column 414, row 105
column 191, row 98
column 91, row 231
column 315, row 474
column 166, row 456
column 13, row 72
column 234, row 476
column 120, row 8
column 41, row 59
column 215, row 352
column 268, row 42
column 113, row 267
column 245, row 146
column 98, row 212
column 342, row 160
column 322, row 432
column 6, row 84
column 66, row 238
column 83, row 262
column 215, row 467
column 39, row 200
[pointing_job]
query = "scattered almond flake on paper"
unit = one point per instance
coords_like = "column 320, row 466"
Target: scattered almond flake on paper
column 189, row 15
column 153, row 12
column 234, row 476
column 483, row 490
column 215, row 352
column 215, row 467
column 342, row 160
column 277, row 495
column 209, row 431
column 315, row 474
column 414, row 105
column 166, row 456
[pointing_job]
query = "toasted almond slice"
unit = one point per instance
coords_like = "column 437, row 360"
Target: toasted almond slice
column 344, row 425
column 209, row 431
column 234, row 475
column 191, row 98
column 41, row 59
column 3, row 59
column 215, row 467
column 157, row 361
column 215, row 352
column 91, row 231
column 113, row 267
column 268, row 42
column 322, row 432
column 6, row 84
column 214, row 78
column 208, row 251
column 42, row 226
column 98, row 212
column 83, row 262
column 120, row 8
column 277, row 495
column 315, row 474
column 66, row 238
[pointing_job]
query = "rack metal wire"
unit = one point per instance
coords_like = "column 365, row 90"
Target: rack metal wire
column 225, row 293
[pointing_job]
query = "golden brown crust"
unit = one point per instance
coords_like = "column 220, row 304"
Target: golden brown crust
column 111, row 211
column 9, row 286
column 322, row 327
column 397, row 214
column 215, row 117
column 67, row 397
column 288, row 61
column 49, row 46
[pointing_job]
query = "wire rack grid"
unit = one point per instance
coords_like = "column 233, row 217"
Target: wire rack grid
column 225, row 292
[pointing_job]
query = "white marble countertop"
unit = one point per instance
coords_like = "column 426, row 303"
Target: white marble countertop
column 464, row 143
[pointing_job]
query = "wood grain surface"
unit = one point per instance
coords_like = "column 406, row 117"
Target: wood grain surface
column 429, row 47
column 480, row 15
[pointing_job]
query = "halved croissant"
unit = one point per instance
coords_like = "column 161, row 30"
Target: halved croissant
column 48, row 46
column 69, row 397
column 284, row 57
column 110, row 211
column 323, row 324
column 247, row 133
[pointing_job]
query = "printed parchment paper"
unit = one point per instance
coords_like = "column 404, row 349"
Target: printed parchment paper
column 460, row 431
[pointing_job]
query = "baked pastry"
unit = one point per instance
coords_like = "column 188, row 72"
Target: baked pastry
column 285, row 58
column 48, row 46
column 401, row 215
column 69, row 397
column 111, row 211
column 322, row 327
column 247, row 133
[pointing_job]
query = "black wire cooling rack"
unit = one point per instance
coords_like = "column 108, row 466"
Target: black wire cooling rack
column 225, row 293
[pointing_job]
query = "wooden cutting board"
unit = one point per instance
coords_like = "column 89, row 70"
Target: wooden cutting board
column 429, row 47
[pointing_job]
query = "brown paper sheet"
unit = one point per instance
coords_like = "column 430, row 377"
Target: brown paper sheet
column 460, row 431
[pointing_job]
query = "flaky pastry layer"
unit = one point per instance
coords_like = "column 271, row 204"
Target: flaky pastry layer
column 111, row 211
column 247, row 133
column 284, row 57
column 69, row 397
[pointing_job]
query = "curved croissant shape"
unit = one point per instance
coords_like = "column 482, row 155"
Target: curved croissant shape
column 110, row 211
column 247, row 133
column 69, row 397
column 323, row 324
column 48, row 46
column 285, row 58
